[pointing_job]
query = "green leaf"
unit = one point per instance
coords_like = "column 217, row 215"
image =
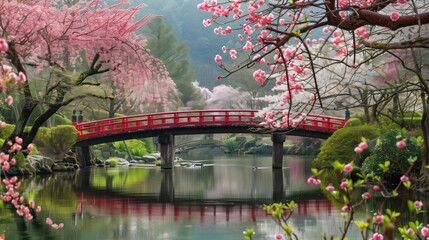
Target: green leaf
column 361, row 225
column 248, row 233
column 410, row 205
column 287, row 229
column 378, row 141
column 387, row 164
column 407, row 184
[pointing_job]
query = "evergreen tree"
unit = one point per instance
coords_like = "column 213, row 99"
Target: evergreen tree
column 175, row 55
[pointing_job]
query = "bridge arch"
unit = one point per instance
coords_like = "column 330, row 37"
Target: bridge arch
column 168, row 124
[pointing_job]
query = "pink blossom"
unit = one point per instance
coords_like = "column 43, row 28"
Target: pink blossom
column 376, row 188
column 358, row 150
column 260, row 76
column 2, row 124
column 30, row 147
column 425, row 232
column 218, row 58
column 31, row 203
column 401, row 144
column 330, row 188
column 418, row 204
column 22, row 77
column 38, row 209
column 325, row 30
column 18, row 140
column 346, row 208
column 366, row 195
column 312, row 180
column 5, row 166
column 377, row 236
column 394, row 16
column 404, row 178
column 343, row 184
column 3, row 45
column 207, row 22
column 278, row 236
column 410, row 232
column 28, row 217
column 363, row 145
column 348, row 168
column 9, row 100
column 49, row 221
column 378, row 219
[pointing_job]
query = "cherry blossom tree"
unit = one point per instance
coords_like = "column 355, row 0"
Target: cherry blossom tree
column 292, row 42
column 70, row 48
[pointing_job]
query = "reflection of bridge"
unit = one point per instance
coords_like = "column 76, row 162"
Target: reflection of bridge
column 166, row 125
column 108, row 204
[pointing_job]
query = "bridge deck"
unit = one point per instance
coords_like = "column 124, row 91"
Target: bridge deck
column 197, row 118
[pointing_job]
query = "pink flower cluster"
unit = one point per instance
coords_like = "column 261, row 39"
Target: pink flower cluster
column 17, row 201
column 314, row 181
column 7, row 79
column 361, row 147
column 54, row 225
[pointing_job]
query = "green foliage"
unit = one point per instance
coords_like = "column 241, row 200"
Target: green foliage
column 7, row 131
column 353, row 122
column 137, row 147
column 231, row 145
column 148, row 142
column 112, row 161
column 164, row 45
column 55, row 141
column 339, row 147
column 387, row 151
column 43, row 137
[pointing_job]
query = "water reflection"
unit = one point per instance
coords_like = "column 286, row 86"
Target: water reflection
column 217, row 201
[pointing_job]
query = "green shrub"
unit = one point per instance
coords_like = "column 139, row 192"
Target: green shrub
column 43, row 137
column 112, row 161
column 55, row 141
column 340, row 146
column 231, row 145
column 386, row 150
column 353, row 122
column 412, row 122
column 62, row 138
column 148, row 142
column 136, row 147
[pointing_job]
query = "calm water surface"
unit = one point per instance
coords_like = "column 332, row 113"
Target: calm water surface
column 217, row 201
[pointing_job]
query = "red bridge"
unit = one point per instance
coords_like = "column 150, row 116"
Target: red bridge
column 113, row 205
column 167, row 124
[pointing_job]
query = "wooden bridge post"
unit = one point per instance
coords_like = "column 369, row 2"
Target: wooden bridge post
column 167, row 186
column 278, row 186
column 278, row 139
column 166, row 143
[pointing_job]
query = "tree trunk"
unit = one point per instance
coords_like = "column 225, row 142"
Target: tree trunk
column 425, row 130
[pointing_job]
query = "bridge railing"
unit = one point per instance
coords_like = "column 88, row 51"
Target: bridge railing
column 194, row 118
column 166, row 120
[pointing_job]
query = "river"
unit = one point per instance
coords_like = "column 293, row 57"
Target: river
column 217, row 201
